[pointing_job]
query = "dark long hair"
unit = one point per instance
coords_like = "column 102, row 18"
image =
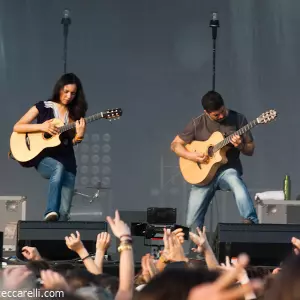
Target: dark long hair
column 78, row 106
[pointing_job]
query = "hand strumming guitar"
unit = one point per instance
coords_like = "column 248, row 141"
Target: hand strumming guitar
column 198, row 157
column 49, row 127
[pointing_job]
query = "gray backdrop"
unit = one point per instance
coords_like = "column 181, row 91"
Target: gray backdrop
column 154, row 60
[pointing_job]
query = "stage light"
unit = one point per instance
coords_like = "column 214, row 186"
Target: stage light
column 84, row 169
column 95, row 159
column 95, row 148
column 95, row 170
column 106, row 159
column 106, row 148
column 84, row 159
column 106, row 137
column 95, row 138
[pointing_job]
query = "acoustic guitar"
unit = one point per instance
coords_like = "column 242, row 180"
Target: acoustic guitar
column 215, row 148
column 25, row 147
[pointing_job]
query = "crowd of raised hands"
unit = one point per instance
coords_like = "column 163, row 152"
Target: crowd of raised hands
column 172, row 276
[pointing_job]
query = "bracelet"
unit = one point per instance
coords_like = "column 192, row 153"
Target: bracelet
column 128, row 235
column 126, row 242
column 77, row 138
column 124, row 247
column 85, row 257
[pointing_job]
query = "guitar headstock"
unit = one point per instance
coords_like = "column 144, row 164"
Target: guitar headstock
column 112, row 114
column 267, row 117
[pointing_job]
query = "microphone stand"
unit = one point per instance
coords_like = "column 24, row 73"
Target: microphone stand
column 96, row 195
column 65, row 21
column 214, row 24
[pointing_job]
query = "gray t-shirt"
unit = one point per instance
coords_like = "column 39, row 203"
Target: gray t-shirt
column 202, row 127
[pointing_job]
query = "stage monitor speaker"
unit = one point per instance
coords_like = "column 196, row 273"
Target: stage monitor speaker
column 266, row 244
column 49, row 237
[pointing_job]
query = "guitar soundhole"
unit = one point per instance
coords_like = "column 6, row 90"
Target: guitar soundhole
column 210, row 151
column 47, row 136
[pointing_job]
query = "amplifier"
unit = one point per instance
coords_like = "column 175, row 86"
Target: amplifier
column 266, row 244
column 49, row 237
column 278, row 211
column 13, row 209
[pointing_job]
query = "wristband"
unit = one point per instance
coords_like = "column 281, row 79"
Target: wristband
column 85, row 257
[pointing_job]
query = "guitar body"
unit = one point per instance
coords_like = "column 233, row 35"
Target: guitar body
column 25, row 147
column 202, row 173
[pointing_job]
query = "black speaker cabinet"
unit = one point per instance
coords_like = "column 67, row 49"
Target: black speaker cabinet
column 266, row 244
column 49, row 237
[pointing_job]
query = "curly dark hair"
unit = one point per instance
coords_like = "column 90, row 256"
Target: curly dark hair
column 78, row 107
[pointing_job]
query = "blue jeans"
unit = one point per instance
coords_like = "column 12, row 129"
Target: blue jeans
column 200, row 197
column 61, row 187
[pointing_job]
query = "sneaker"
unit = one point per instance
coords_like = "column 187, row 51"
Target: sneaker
column 247, row 221
column 52, row 216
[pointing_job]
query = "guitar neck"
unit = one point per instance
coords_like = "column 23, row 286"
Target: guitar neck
column 241, row 131
column 87, row 120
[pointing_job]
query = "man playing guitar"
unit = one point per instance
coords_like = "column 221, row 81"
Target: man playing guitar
column 217, row 117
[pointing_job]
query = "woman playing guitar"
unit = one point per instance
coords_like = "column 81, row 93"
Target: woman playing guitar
column 58, row 164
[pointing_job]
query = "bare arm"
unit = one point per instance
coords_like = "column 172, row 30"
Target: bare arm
column 248, row 148
column 99, row 258
column 24, row 124
column 75, row 244
column 178, row 147
column 210, row 258
column 102, row 245
column 126, row 268
column 126, row 275
column 88, row 262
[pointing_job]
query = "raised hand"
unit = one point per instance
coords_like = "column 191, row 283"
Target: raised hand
column 149, row 269
column 118, row 227
column 31, row 253
column 179, row 234
column 74, row 242
column 103, row 241
column 200, row 240
column 173, row 250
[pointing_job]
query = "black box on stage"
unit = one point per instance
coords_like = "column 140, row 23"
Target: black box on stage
column 49, row 237
column 161, row 215
column 266, row 244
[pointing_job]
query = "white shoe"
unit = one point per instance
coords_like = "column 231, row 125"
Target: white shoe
column 52, row 216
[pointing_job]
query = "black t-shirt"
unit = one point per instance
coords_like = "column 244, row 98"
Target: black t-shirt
column 63, row 153
column 202, row 127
